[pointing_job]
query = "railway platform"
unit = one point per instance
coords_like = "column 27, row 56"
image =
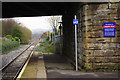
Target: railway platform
column 59, row 68
column 34, row 69
column 56, row 67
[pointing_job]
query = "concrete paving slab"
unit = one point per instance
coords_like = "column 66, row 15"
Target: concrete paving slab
column 56, row 69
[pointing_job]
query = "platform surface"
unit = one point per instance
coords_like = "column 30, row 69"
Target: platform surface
column 35, row 68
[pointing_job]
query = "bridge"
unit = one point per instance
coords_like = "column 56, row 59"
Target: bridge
column 94, row 50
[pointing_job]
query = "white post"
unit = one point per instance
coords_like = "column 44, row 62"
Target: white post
column 76, row 45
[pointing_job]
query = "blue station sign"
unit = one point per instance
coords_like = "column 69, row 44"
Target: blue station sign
column 53, row 29
column 109, row 29
column 75, row 21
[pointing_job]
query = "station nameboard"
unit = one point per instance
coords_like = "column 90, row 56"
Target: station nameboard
column 75, row 21
column 109, row 29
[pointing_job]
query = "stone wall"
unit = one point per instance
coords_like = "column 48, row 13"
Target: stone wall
column 95, row 51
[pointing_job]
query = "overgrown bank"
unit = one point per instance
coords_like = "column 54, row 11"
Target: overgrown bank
column 8, row 46
column 13, row 34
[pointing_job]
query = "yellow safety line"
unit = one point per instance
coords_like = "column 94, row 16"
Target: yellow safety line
column 23, row 69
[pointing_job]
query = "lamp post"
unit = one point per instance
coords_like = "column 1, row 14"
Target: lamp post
column 60, row 27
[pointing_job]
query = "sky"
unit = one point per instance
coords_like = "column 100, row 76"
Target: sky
column 35, row 24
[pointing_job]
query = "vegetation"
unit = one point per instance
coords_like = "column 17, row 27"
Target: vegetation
column 8, row 46
column 45, row 47
column 47, row 38
column 12, row 39
column 9, row 37
column 7, row 26
column 17, row 39
column 15, row 34
column 11, row 27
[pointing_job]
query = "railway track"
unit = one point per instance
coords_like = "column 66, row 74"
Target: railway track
column 11, row 70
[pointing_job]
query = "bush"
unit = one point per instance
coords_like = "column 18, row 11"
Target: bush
column 9, row 37
column 13, row 39
column 17, row 39
column 7, row 46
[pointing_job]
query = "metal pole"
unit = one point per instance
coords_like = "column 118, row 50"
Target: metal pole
column 54, row 36
column 76, row 45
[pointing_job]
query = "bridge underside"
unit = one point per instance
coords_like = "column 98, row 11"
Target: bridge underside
column 29, row 9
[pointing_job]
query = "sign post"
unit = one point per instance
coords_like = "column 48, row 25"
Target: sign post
column 75, row 22
column 109, row 29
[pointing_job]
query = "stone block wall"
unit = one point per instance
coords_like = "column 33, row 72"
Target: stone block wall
column 95, row 51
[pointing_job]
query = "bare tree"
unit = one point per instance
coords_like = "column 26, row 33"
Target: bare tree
column 53, row 21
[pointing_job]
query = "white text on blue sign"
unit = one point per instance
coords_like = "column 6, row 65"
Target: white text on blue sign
column 75, row 21
column 109, row 29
